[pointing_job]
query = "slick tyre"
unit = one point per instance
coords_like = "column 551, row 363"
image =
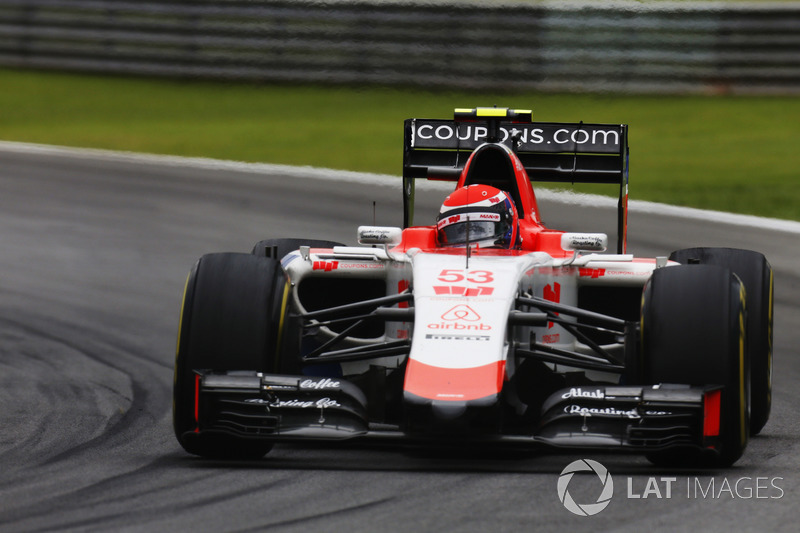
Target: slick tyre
column 229, row 321
column 756, row 273
column 693, row 332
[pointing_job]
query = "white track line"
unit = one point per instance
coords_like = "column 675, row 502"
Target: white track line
column 566, row 197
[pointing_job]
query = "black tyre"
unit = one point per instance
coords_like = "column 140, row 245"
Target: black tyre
column 229, row 321
column 756, row 273
column 277, row 248
column 693, row 332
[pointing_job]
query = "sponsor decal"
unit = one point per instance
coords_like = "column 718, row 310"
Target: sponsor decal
column 376, row 235
column 462, row 290
column 379, row 235
column 593, row 273
column 584, row 241
column 601, row 411
column 360, row 266
column 304, row 404
column 447, row 221
column 437, row 337
column 471, row 217
column 461, row 312
column 322, row 403
column 321, row 384
column 588, row 137
column 551, row 339
column 566, row 477
column 327, row 266
column 457, row 326
column 580, row 393
column 452, row 320
column 640, row 273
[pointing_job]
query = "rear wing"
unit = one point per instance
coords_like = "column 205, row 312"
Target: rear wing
column 550, row 152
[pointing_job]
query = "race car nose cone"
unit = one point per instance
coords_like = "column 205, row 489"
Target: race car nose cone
column 447, row 411
column 448, row 418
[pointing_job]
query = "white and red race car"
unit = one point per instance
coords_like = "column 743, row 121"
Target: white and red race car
column 485, row 329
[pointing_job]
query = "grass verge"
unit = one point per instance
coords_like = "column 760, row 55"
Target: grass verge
column 729, row 153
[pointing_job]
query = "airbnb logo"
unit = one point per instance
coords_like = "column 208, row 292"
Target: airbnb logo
column 454, row 320
column 461, row 312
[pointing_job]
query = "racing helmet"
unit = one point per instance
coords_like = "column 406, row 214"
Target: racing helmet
column 479, row 214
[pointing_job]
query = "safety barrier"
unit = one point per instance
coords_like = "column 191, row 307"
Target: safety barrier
column 557, row 46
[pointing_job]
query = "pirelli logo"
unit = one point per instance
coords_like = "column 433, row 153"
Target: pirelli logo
column 438, row 337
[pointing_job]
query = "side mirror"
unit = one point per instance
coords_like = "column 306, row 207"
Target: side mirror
column 584, row 242
column 379, row 235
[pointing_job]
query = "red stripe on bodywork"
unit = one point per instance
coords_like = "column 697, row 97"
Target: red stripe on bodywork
column 197, row 402
column 711, row 411
column 454, row 384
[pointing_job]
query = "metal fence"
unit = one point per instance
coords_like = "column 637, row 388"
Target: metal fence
column 623, row 46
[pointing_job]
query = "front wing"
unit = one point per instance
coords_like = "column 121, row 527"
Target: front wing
column 297, row 408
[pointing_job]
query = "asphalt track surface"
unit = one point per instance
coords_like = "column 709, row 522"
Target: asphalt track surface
column 93, row 257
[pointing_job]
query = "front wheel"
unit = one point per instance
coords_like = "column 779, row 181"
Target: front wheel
column 693, row 332
column 228, row 322
column 756, row 273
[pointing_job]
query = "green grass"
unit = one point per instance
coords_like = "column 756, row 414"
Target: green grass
column 727, row 153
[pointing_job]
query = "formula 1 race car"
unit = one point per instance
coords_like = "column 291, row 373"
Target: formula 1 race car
column 485, row 329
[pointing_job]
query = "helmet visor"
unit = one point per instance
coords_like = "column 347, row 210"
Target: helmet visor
column 472, row 227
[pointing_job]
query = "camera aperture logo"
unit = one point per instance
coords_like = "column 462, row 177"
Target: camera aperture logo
column 606, row 493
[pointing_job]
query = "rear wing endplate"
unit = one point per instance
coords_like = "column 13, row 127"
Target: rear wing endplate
column 550, row 152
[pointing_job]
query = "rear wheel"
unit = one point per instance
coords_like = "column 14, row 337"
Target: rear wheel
column 756, row 273
column 229, row 321
column 693, row 332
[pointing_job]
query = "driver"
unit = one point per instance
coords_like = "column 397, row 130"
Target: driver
column 481, row 215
